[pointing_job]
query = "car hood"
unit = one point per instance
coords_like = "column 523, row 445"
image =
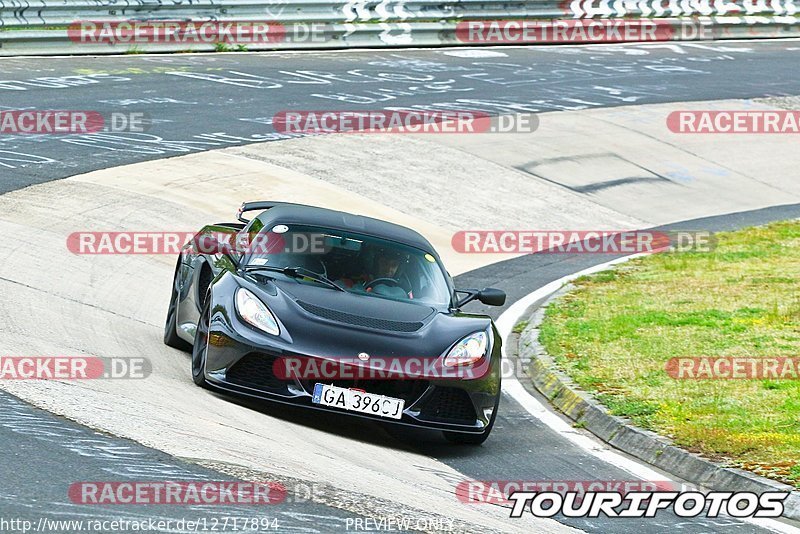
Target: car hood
column 345, row 302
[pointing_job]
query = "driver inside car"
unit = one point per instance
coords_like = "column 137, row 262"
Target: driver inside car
column 382, row 278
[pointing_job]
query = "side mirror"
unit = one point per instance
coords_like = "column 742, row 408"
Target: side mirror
column 492, row 297
column 488, row 296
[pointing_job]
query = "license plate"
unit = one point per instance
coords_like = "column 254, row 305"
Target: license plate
column 357, row 401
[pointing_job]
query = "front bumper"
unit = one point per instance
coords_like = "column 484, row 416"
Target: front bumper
column 240, row 360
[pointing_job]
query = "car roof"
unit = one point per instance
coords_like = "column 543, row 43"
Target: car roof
column 287, row 213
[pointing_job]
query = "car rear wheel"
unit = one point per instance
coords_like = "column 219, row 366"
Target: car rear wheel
column 461, row 438
column 171, row 338
column 200, row 348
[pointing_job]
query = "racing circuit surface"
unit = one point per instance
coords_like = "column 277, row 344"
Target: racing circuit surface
column 204, row 102
column 211, row 102
column 59, row 452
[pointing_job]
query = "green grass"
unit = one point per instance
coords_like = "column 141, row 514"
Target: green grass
column 615, row 333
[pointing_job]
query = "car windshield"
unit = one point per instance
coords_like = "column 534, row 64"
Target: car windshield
column 357, row 263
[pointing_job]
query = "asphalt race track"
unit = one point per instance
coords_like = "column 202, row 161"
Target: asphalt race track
column 190, row 98
column 45, row 453
column 203, row 102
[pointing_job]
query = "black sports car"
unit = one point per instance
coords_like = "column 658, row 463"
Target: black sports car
column 336, row 312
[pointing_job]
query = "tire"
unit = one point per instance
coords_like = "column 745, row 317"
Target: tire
column 200, row 349
column 171, row 338
column 461, row 438
column 203, row 283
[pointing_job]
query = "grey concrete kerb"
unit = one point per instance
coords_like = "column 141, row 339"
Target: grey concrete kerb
column 619, row 432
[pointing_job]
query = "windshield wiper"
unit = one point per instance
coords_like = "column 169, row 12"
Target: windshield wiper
column 296, row 272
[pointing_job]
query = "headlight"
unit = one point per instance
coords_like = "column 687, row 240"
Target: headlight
column 255, row 312
column 467, row 351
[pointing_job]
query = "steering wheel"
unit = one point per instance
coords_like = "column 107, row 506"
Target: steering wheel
column 391, row 282
column 324, row 271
